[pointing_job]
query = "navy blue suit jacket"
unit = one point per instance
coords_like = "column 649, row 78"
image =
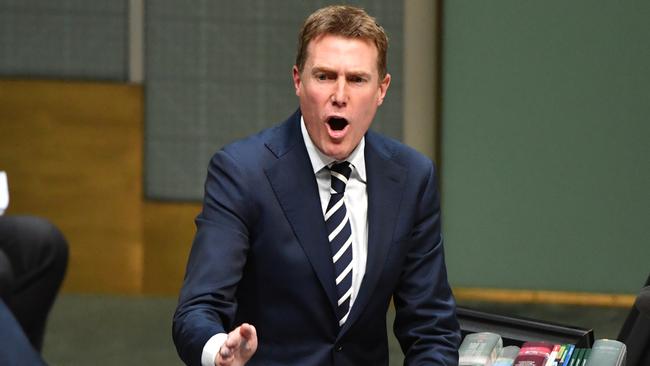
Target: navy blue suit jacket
column 260, row 255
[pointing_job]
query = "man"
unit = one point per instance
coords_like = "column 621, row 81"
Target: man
column 308, row 229
column 33, row 261
column 16, row 349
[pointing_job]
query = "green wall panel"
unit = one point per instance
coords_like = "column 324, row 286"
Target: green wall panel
column 546, row 144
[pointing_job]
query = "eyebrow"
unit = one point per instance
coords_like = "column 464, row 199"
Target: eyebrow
column 324, row 69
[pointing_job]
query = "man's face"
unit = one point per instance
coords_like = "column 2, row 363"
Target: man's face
column 339, row 91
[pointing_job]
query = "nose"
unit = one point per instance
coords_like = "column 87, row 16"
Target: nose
column 340, row 93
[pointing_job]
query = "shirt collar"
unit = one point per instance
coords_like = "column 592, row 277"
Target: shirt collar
column 320, row 160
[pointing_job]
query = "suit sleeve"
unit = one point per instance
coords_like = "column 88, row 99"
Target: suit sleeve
column 207, row 304
column 425, row 321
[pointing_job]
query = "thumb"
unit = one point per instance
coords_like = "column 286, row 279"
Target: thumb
column 248, row 334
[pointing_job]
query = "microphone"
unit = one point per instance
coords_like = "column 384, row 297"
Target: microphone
column 642, row 301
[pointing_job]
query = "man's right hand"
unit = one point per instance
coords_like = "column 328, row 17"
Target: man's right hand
column 239, row 347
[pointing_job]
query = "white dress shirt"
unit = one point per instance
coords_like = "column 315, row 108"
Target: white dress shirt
column 356, row 203
column 355, row 197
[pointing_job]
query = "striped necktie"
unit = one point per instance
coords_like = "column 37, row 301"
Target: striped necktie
column 339, row 232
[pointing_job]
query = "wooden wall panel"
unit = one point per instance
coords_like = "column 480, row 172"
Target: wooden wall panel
column 73, row 154
column 168, row 233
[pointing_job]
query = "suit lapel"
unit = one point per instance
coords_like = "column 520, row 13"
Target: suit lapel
column 385, row 183
column 296, row 189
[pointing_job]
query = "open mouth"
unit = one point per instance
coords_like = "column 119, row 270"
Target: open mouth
column 337, row 123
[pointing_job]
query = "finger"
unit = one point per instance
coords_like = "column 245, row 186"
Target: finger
column 248, row 332
column 234, row 338
column 225, row 352
column 249, row 335
column 230, row 346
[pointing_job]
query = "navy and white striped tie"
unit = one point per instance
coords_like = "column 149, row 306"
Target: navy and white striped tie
column 339, row 230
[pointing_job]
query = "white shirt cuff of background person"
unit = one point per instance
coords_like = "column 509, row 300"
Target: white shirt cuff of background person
column 211, row 348
column 4, row 192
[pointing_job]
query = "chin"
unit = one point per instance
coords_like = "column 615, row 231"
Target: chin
column 338, row 152
column 340, row 155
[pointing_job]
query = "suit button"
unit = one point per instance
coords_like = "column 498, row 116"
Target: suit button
column 339, row 348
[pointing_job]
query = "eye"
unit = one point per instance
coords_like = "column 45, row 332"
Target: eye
column 324, row 75
column 356, row 79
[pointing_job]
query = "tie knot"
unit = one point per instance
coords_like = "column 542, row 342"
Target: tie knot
column 340, row 175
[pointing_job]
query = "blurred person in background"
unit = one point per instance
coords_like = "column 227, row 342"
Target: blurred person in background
column 33, row 261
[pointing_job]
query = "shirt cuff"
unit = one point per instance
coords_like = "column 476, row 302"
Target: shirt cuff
column 211, row 349
column 4, row 192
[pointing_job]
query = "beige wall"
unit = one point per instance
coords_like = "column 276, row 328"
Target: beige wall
column 421, row 76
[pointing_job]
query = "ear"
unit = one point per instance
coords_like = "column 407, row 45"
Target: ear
column 296, row 80
column 383, row 88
